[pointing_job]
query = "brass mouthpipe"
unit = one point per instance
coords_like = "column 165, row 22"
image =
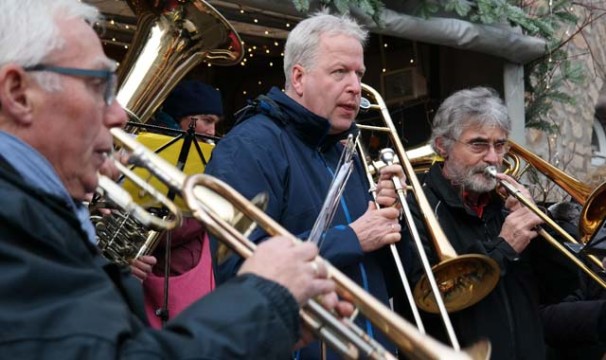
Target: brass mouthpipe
column 513, row 191
column 492, row 171
column 113, row 192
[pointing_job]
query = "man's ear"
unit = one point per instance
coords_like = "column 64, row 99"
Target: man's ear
column 296, row 79
column 15, row 93
column 439, row 145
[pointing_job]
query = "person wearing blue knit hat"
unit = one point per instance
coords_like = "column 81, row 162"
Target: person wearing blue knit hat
column 192, row 103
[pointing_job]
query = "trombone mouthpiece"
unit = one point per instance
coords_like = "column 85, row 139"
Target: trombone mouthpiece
column 364, row 104
column 387, row 156
column 491, row 171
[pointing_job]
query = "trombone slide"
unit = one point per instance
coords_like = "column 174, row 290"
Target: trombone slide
column 203, row 193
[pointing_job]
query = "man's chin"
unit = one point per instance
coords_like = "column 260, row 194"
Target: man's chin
column 472, row 180
column 89, row 187
column 480, row 184
column 340, row 125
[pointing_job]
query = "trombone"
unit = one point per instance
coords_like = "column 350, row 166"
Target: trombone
column 392, row 247
column 212, row 201
column 592, row 201
column 463, row 280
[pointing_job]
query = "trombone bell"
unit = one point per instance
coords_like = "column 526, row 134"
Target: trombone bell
column 463, row 281
column 594, row 211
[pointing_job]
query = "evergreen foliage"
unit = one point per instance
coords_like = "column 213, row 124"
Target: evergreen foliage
column 545, row 77
column 370, row 7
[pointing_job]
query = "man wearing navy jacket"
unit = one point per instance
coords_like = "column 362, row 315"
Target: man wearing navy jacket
column 287, row 144
column 62, row 299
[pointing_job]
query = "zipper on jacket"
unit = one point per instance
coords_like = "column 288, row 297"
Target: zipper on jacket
column 514, row 344
column 365, row 285
column 503, row 294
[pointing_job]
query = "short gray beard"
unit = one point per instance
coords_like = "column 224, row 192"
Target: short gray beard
column 473, row 179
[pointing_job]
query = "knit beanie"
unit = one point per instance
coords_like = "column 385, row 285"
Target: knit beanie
column 192, row 97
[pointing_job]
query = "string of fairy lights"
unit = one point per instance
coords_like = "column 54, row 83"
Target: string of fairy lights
column 265, row 36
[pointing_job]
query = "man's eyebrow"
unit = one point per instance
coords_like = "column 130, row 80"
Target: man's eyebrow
column 478, row 139
column 483, row 139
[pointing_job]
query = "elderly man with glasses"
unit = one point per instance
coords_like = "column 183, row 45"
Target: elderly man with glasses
column 61, row 298
column 470, row 131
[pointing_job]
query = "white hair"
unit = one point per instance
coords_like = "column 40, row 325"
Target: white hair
column 29, row 31
column 466, row 108
column 302, row 42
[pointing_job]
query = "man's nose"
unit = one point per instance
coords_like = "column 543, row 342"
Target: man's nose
column 115, row 116
column 354, row 84
column 491, row 156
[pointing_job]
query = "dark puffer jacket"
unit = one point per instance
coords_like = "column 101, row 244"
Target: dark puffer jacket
column 62, row 300
column 509, row 315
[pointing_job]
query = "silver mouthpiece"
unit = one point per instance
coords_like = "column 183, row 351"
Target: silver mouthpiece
column 364, row 104
column 491, row 171
column 387, row 155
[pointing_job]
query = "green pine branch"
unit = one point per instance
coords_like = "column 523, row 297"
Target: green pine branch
column 372, row 8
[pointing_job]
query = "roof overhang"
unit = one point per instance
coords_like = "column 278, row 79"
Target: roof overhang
column 501, row 41
column 498, row 40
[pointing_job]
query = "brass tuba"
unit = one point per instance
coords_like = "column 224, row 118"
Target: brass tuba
column 172, row 38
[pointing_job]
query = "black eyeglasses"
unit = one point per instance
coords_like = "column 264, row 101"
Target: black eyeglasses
column 482, row 147
column 108, row 76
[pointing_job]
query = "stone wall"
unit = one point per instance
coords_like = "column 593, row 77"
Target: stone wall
column 570, row 148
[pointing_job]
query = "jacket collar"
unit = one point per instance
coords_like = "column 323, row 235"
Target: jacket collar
column 309, row 127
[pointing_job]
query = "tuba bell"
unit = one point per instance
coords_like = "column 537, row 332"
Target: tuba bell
column 172, row 37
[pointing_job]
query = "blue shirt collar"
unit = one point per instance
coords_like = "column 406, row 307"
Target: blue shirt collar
column 37, row 172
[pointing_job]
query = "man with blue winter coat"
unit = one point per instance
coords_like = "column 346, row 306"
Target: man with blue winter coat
column 287, row 144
